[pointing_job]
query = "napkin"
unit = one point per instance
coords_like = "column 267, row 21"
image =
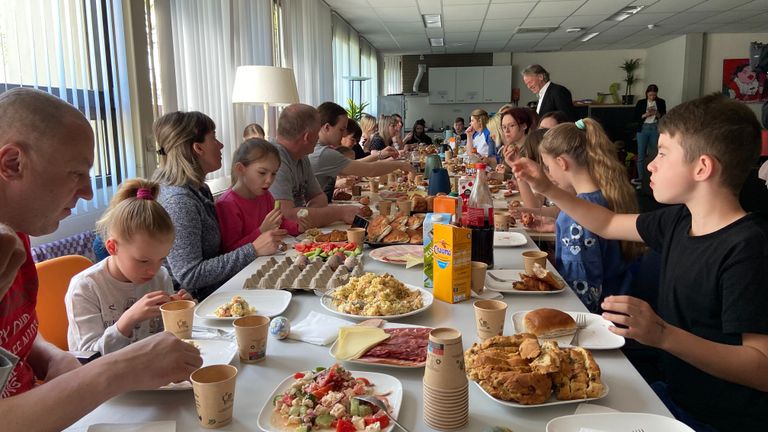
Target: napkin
column 318, row 329
column 487, row 295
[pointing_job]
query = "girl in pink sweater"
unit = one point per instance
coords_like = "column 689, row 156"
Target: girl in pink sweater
column 247, row 209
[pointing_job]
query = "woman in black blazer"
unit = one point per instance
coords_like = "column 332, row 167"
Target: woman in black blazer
column 648, row 111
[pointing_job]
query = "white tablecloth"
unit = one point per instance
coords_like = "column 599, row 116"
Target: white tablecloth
column 628, row 390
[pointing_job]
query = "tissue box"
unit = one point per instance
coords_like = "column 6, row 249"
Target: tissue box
column 452, row 258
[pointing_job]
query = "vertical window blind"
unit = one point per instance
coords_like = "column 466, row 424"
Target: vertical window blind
column 75, row 50
column 353, row 57
column 393, row 75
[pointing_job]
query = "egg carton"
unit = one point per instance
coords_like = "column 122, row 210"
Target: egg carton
column 303, row 274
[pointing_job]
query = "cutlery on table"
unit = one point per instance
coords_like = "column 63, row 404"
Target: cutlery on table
column 498, row 279
column 376, row 401
column 581, row 324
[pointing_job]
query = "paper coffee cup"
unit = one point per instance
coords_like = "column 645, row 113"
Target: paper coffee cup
column 374, row 186
column 404, row 207
column 214, row 388
column 178, row 317
column 479, row 270
column 534, row 257
column 445, row 359
column 356, row 235
column 489, row 318
column 251, row 334
column 501, row 221
column 418, row 179
column 385, row 207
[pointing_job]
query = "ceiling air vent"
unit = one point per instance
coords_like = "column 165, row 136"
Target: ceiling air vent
column 535, row 29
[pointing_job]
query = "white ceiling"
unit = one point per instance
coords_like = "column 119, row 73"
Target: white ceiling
column 396, row 26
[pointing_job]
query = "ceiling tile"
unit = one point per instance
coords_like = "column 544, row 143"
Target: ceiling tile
column 759, row 18
column 603, row 26
column 401, row 27
column 435, row 32
column 686, row 18
column 718, row 5
column 460, row 37
column 399, row 14
column 465, row 2
column 543, row 22
column 555, row 9
column 341, row 4
column 759, row 5
column 529, row 36
column 672, row 6
column 583, row 20
column 601, row 7
column 469, row 25
column 368, row 26
column 462, row 12
column 488, row 45
column 646, row 18
column 430, row 6
column 729, row 17
column 391, row 3
column 509, row 10
column 499, row 24
column 496, row 35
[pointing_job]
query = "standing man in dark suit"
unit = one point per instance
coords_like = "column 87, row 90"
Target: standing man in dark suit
column 552, row 97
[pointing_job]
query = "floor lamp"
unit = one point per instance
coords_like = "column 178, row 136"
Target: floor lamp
column 267, row 85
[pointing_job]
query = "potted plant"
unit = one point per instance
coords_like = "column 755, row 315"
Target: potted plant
column 629, row 67
column 355, row 111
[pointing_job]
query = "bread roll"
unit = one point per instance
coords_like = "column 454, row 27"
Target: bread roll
column 549, row 323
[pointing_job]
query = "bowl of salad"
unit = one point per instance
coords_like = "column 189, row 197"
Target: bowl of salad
column 322, row 399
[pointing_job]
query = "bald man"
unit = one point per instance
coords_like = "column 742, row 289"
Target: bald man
column 46, row 153
column 295, row 186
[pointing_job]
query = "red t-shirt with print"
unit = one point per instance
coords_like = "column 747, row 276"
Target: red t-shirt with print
column 18, row 323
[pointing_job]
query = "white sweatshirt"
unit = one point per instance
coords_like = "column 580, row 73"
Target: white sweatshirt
column 95, row 300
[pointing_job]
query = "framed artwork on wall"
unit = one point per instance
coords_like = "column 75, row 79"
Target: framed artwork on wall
column 740, row 82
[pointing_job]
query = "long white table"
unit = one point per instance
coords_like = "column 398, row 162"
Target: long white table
column 628, row 390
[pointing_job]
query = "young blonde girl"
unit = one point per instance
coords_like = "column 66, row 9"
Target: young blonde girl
column 247, row 210
column 117, row 301
column 479, row 137
column 581, row 157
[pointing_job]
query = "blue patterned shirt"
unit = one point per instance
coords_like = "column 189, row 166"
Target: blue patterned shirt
column 592, row 266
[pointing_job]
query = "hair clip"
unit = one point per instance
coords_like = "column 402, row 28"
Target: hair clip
column 161, row 151
column 580, row 124
column 145, row 194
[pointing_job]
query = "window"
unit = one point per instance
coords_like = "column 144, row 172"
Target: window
column 75, row 50
column 355, row 67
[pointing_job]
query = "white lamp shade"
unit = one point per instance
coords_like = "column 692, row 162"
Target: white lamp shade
column 265, row 84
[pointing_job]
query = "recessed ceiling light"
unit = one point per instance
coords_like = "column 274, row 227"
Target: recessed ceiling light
column 589, row 36
column 436, row 42
column 625, row 13
column 432, row 20
column 574, row 29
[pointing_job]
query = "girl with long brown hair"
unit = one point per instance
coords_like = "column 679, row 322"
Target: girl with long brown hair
column 581, row 157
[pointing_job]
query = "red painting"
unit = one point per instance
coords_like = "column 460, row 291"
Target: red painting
column 740, row 82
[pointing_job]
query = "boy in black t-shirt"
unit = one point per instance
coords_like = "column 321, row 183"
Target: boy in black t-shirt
column 712, row 317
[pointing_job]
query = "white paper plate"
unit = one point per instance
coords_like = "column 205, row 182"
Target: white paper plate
column 595, row 336
column 617, row 422
column 427, row 298
column 387, row 253
column 506, row 287
column 387, row 325
column 267, row 302
column 509, row 239
column 213, row 352
column 383, row 384
column 552, row 400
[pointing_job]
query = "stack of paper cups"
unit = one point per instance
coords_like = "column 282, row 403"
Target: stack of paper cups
column 446, row 389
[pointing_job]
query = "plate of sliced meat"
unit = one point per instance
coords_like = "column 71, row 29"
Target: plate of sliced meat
column 406, row 347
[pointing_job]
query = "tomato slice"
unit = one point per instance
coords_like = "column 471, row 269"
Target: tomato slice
column 345, row 426
column 382, row 420
column 321, row 392
column 298, row 375
column 350, row 246
column 363, row 380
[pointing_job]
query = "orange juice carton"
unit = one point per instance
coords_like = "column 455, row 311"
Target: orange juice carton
column 448, row 204
column 429, row 223
column 452, row 263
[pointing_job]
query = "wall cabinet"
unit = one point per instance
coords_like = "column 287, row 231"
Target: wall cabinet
column 473, row 85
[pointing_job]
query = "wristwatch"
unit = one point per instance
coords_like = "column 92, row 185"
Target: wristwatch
column 302, row 213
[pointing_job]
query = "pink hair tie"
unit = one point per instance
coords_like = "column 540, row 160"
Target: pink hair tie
column 144, row 193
